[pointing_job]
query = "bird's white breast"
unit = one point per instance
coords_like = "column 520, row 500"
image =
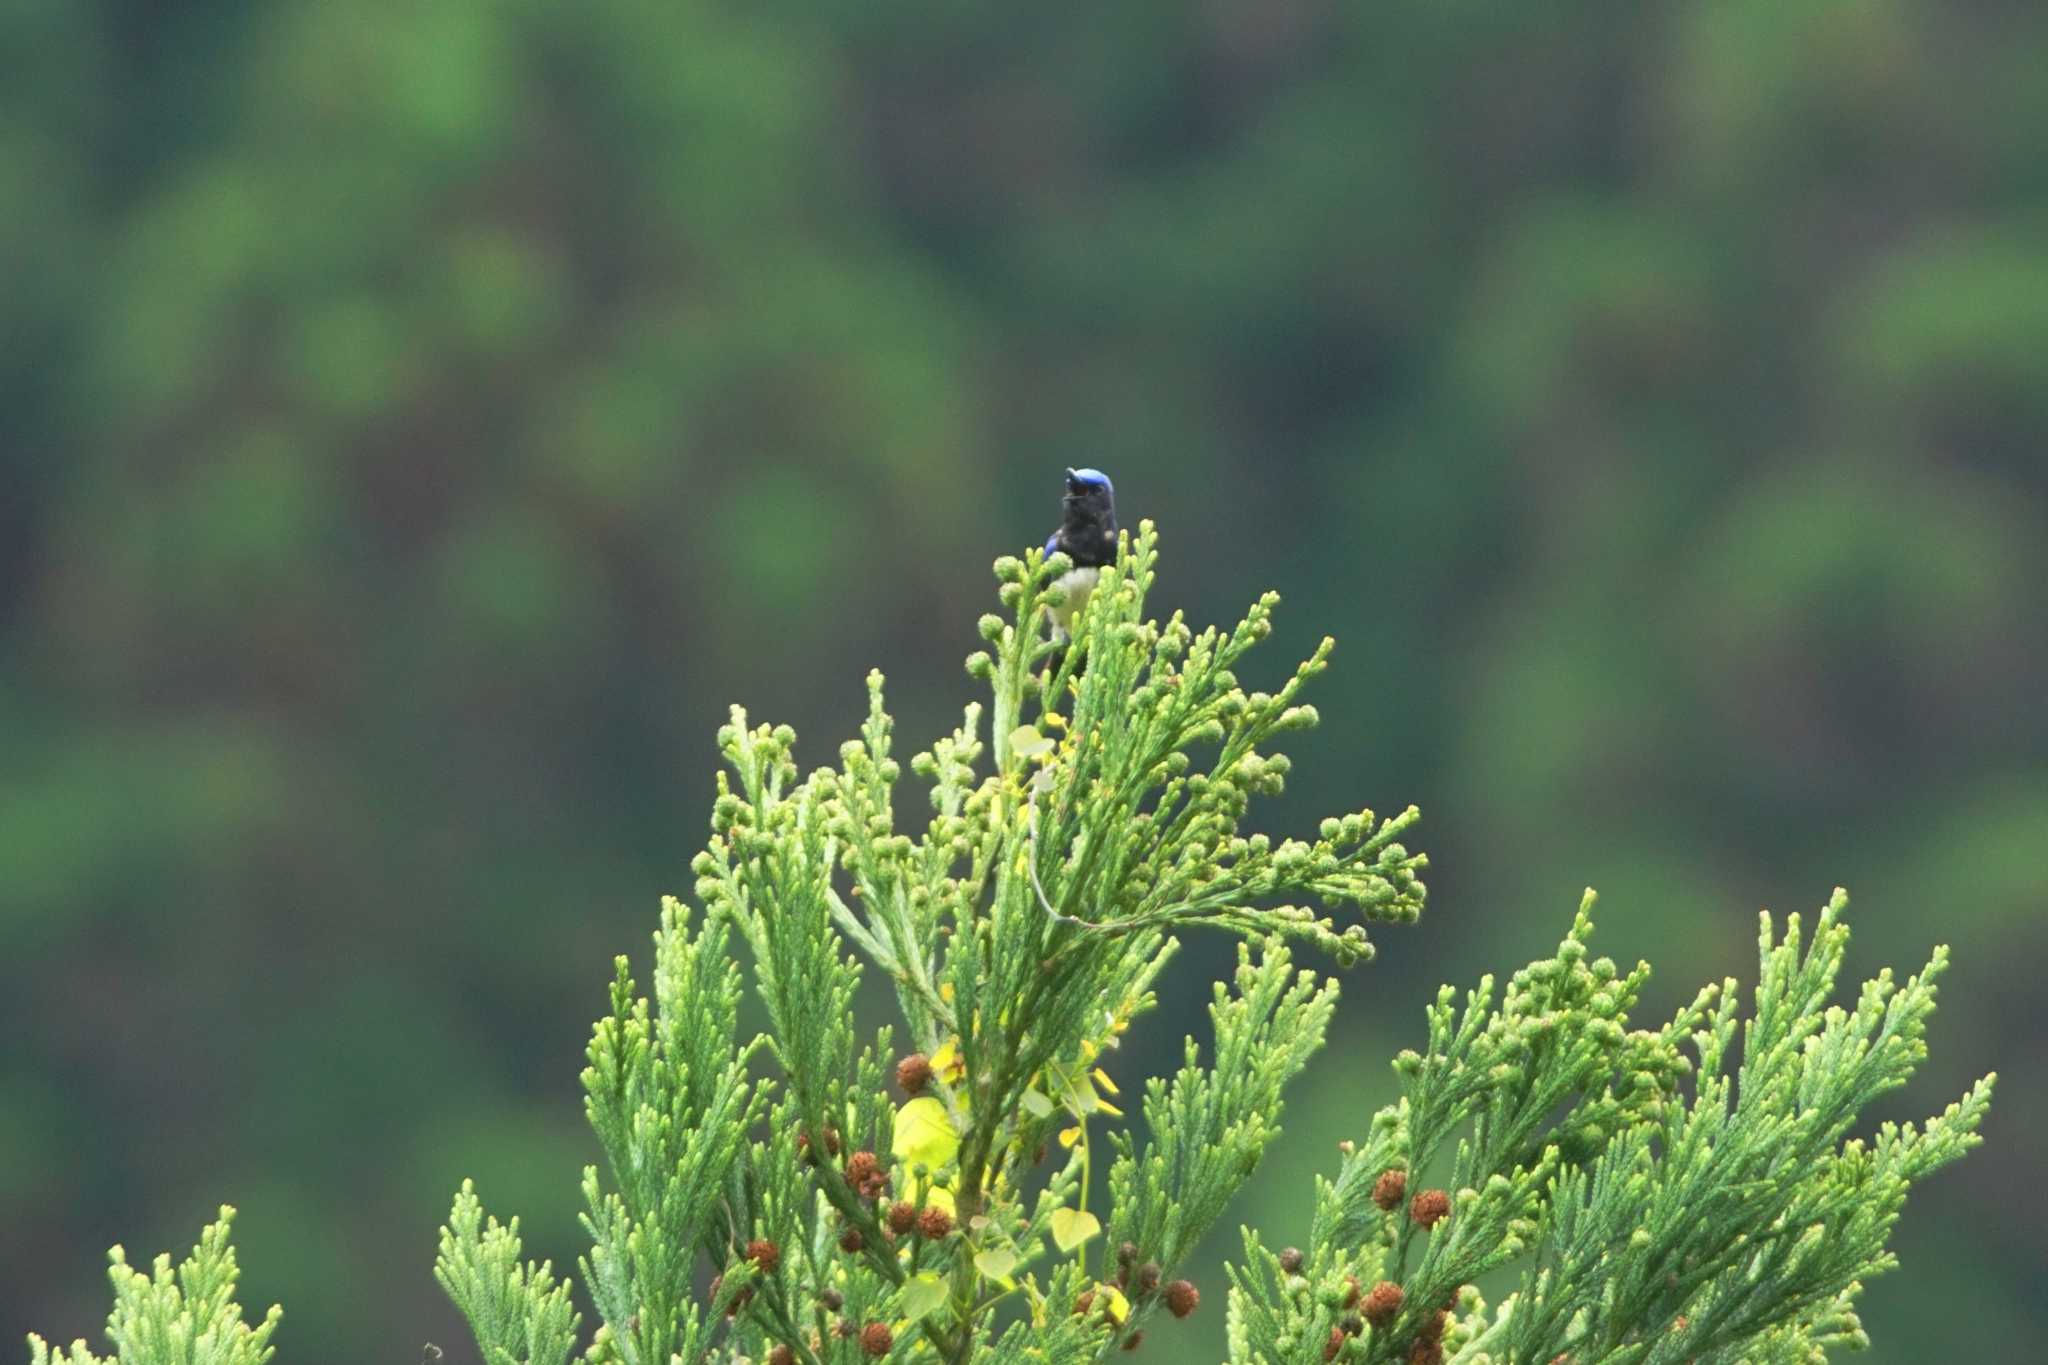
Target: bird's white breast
column 1078, row 583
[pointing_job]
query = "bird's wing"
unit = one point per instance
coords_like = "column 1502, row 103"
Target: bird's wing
column 1052, row 543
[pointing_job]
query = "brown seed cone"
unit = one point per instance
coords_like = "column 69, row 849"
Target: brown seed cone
column 1084, row 1301
column 832, row 1299
column 1290, row 1260
column 866, row 1175
column 914, row 1073
column 1429, row 1208
column 1133, row 1341
column 1388, row 1189
column 764, row 1254
column 1182, row 1298
column 782, row 1355
column 934, row 1223
column 850, row 1240
column 1148, row 1277
column 876, row 1339
column 1383, row 1303
column 902, row 1216
column 1426, row 1351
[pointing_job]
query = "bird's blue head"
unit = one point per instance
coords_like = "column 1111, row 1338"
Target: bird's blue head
column 1088, row 519
column 1090, row 500
column 1083, row 482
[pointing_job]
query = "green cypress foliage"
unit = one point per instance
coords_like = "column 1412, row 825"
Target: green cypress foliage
column 1095, row 814
column 813, row 1195
column 182, row 1317
column 1728, row 1219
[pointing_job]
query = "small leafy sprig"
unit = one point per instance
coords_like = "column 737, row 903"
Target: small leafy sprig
column 182, row 1317
column 1653, row 1228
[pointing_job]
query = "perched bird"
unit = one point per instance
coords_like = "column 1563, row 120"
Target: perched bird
column 1087, row 535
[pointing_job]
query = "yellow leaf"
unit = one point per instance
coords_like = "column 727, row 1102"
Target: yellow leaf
column 1119, row 1306
column 1026, row 742
column 1071, row 1227
column 1070, row 1136
column 1102, row 1079
column 996, row 1262
column 925, row 1133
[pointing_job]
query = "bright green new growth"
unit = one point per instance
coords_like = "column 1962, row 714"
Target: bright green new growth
column 1662, row 1207
column 1021, row 930
column 1734, row 1225
column 186, row 1317
column 520, row 1312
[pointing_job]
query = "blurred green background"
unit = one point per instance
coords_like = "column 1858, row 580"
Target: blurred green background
column 421, row 420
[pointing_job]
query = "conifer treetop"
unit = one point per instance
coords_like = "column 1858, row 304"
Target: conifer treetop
column 1690, row 1191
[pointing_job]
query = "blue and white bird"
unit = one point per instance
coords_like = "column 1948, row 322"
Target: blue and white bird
column 1087, row 535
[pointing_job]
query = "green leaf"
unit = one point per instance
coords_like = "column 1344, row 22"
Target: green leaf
column 922, row 1294
column 1037, row 1105
column 996, row 1262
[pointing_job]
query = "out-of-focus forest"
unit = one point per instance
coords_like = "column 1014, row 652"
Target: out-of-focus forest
column 421, row 420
